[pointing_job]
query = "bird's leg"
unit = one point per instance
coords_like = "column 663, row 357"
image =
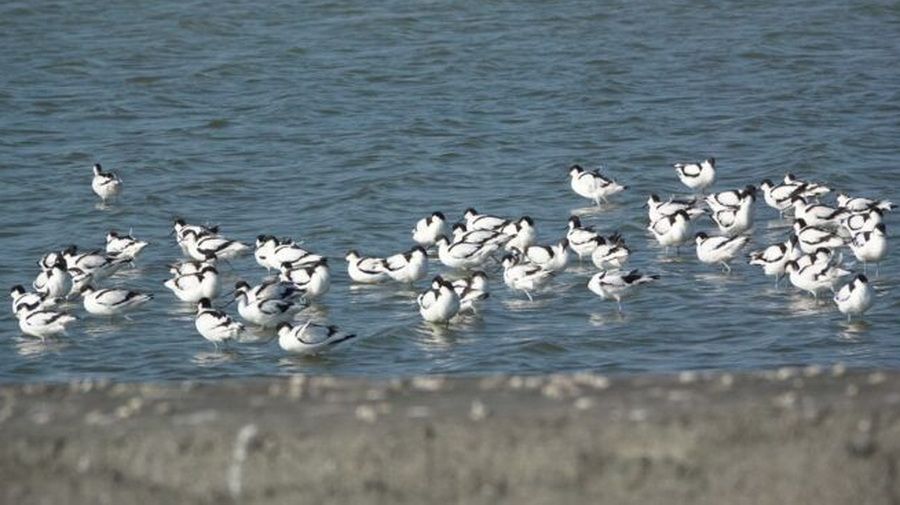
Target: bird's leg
column 530, row 299
column 619, row 305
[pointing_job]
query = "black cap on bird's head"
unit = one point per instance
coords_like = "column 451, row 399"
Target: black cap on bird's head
column 204, row 303
column 418, row 248
column 18, row 289
column 765, row 183
column 439, row 215
column 86, row 289
column 179, row 221
column 351, row 254
column 470, row 212
column 241, row 285
column 564, row 243
column 575, row 221
column 880, row 227
column 526, row 219
column 701, row 235
column 575, row 169
column 282, row 326
column 113, row 234
column 458, row 227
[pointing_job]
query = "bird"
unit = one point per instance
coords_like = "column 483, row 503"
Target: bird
column 814, row 278
column 462, row 234
column 855, row 298
column 314, row 280
column 112, row 302
column 730, row 199
column 205, row 247
column 92, row 266
column 272, row 252
column 123, row 246
column 476, row 221
column 310, row 338
column 612, row 284
column 464, row 255
column 270, row 289
column 810, row 189
column 428, row 229
column 719, row 250
column 53, row 281
column 552, row 258
column 44, row 323
column 611, row 253
column 656, row 208
column 215, row 325
column 863, row 204
column 582, row 239
column 816, row 214
column 265, row 312
column 192, row 287
column 439, row 303
column 188, row 267
column 23, row 301
column 672, row 230
column 180, row 229
column 472, row 290
column 592, row 184
column 697, row 175
column 856, row 222
column 734, row 221
column 778, row 196
column 407, row 267
column 773, row 258
column 105, row 184
column 365, row 270
column 525, row 277
column 522, row 232
column 813, row 237
column 870, row 246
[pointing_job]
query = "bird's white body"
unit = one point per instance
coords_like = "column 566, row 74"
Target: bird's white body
column 863, row 204
column 407, row 267
column 672, row 230
column 366, row 270
column 464, row 255
column 813, row 237
column 870, row 246
column 525, row 277
column 106, row 185
column 610, row 254
column 814, row 279
column 592, row 184
column 552, row 258
column 314, row 280
column 697, row 176
column 616, row 285
column 266, row 312
column 582, row 240
column 855, row 298
column 721, row 250
column 863, row 221
column 54, row 282
column 429, row 229
column 657, row 208
column 44, row 323
column 472, row 291
column 112, row 302
column 194, row 286
column 440, row 303
column 123, row 246
column 310, row 338
column 476, row 221
column 734, row 221
column 817, row 214
column 491, row 237
column 523, row 234
column 772, row 259
column 22, row 301
column 208, row 247
column 216, row 326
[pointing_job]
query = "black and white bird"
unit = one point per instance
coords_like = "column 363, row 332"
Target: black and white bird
column 472, row 290
column 730, row 199
column 611, row 252
column 310, row 338
column 615, row 285
column 215, row 325
column 462, row 234
column 123, row 246
column 859, row 204
column 180, row 229
column 779, row 196
column 522, row 276
column 44, row 323
column 365, row 270
column 814, row 237
column 772, row 259
column 23, row 301
column 592, row 184
column 855, row 298
column 697, row 175
column 464, row 255
column 552, row 258
column 187, row 267
column 721, row 250
column 105, row 184
column 809, row 189
column 733, row 221
column 582, row 239
column 407, row 267
column 265, row 312
column 656, row 208
column 206, row 247
column 870, row 246
column 856, row 222
column 439, row 303
column 53, row 281
column 522, row 232
column 314, row 280
column 91, row 267
column 112, row 302
column 428, row 229
column 271, row 253
column 192, row 287
column 271, row 288
column 814, row 278
column 672, row 230
column 817, row 214
column 476, row 221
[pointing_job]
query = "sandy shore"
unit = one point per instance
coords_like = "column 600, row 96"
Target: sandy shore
column 794, row 436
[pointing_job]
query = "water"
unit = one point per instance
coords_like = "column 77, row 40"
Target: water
column 341, row 124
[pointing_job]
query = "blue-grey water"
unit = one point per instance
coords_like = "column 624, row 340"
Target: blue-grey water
column 342, row 123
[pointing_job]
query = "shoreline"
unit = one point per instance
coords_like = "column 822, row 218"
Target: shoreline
column 786, row 436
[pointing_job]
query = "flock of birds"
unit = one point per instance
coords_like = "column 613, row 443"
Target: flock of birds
column 810, row 257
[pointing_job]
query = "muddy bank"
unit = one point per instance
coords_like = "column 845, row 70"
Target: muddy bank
column 793, row 436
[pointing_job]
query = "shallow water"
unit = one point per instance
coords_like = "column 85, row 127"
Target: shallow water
column 341, row 124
